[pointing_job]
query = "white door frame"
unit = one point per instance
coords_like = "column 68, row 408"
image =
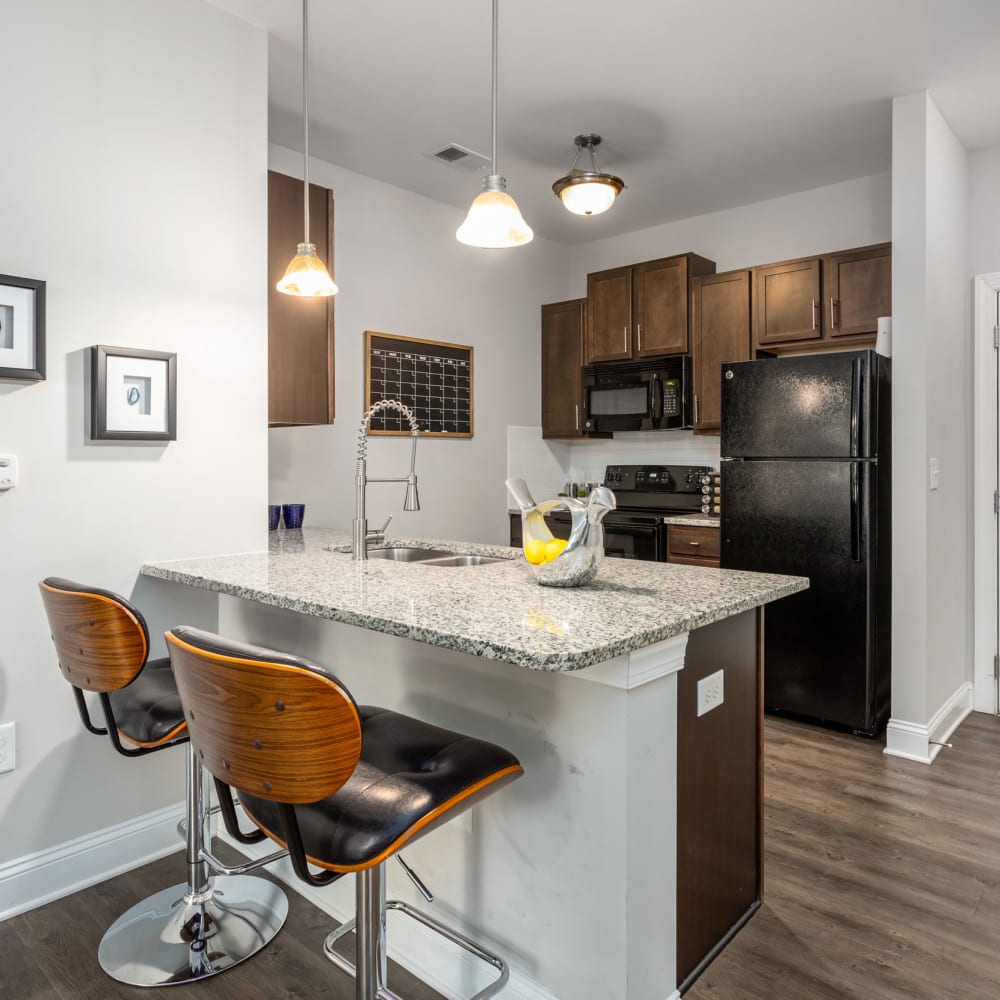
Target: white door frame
column 984, row 624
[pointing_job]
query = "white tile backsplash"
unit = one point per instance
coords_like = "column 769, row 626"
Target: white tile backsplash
column 546, row 465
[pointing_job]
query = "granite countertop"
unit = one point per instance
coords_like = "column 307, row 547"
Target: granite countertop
column 696, row 520
column 494, row 610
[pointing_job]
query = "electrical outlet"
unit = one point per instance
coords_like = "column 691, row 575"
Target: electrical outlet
column 710, row 692
column 7, row 757
column 934, row 474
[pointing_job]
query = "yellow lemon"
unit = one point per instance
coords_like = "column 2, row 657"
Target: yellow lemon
column 553, row 548
column 534, row 551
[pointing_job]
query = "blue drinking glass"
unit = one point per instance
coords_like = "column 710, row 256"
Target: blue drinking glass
column 273, row 515
column 293, row 514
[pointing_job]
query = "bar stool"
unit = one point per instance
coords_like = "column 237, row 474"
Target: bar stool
column 204, row 926
column 343, row 787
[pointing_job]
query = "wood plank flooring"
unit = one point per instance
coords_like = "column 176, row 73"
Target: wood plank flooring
column 882, row 876
column 882, row 881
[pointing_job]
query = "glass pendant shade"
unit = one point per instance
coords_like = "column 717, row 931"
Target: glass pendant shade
column 306, row 275
column 588, row 192
column 494, row 220
column 589, row 195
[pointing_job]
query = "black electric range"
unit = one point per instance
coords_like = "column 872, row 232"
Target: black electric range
column 645, row 494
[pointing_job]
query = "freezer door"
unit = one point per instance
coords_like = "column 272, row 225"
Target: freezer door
column 809, row 407
column 809, row 519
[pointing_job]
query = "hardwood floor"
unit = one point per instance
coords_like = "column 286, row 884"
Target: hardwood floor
column 51, row 953
column 882, row 881
column 882, row 876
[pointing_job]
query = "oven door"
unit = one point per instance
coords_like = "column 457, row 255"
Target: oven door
column 625, row 536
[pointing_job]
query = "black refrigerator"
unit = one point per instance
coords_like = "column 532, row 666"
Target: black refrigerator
column 806, row 490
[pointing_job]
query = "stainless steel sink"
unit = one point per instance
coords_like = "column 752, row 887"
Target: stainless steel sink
column 407, row 553
column 461, row 560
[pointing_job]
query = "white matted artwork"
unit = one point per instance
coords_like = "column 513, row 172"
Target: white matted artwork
column 133, row 395
column 22, row 329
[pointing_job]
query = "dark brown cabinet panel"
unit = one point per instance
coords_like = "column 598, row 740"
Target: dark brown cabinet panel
column 787, row 302
column 299, row 330
column 609, row 315
column 692, row 545
column 858, row 289
column 661, row 300
column 720, row 333
column 563, row 325
column 641, row 311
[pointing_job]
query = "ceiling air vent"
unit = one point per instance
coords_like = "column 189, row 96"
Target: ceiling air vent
column 461, row 158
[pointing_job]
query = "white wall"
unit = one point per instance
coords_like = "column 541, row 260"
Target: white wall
column 134, row 184
column 835, row 217
column 400, row 270
column 984, row 211
column 932, row 374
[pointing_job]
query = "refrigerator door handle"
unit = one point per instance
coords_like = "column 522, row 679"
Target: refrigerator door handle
column 856, row 374
column 856, row 511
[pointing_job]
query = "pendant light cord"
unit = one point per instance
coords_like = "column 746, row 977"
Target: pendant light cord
column 305, row 117
column 493, row 123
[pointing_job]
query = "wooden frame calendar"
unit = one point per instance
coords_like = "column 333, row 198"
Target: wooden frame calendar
column 431, row 377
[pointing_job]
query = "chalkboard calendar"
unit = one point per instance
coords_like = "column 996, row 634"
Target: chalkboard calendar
column 432, row 378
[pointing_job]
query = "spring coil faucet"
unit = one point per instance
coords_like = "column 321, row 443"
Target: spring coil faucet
column 362, row 537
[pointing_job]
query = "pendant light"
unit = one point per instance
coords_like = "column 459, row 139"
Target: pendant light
column 306, row 275
column 494, row 220
column 588, row 192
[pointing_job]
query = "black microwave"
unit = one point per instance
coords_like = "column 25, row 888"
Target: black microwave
column 637, row 395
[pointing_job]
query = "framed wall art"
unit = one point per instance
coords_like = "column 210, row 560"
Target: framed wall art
column 22, row 329
column 133, row 395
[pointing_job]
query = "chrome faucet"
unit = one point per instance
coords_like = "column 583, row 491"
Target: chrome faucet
column 362, row 537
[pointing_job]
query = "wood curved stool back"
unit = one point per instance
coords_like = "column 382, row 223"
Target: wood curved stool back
column 273, row 726
column 101, row 640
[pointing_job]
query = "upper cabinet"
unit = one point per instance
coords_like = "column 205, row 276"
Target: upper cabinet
column 820, row 302
column 299, row 330
column 641, row 311
column 720, row 334
column 562, row 355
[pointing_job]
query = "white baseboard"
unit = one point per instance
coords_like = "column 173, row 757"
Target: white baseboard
column 419, row 950
column 917, row 741
column 39, row 878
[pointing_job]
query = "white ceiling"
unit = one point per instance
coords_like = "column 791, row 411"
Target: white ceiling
column 703, row 104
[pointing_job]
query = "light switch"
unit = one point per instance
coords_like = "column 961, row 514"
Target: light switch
column 8, row 472
column 934, row 479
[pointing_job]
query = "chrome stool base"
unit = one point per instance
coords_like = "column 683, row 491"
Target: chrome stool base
column 175, row 937
column 372, row 907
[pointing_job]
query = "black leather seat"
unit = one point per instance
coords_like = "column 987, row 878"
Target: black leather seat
column 410, row 779
column 343, row 787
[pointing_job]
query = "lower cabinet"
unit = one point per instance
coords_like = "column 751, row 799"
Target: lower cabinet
column 692, row 545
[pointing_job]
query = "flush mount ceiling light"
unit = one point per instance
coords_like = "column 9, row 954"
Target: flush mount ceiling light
column 588, row 192
column 306, row 275
column 494, row 220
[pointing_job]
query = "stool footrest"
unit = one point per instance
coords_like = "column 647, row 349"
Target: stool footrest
column 449, row 933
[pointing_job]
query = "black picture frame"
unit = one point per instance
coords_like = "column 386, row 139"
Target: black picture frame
column 103, row 429
column 35, row 373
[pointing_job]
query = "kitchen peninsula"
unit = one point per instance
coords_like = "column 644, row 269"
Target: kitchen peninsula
column 629, row 851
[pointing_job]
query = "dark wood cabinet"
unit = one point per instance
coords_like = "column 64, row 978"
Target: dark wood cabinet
column 692, row 545
column 720, row 333
column 787, row 302
column 822, row 302
column 299, row 330
column 858, row 289
column 563, row 326
column 641, row 311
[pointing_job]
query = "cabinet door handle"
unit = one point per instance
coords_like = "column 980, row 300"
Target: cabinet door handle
column 833, row 322
column 814, row 314
column 638, row 333
column 696, row 410
column 695, row 544
column 576, row 406
column 625, row 328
